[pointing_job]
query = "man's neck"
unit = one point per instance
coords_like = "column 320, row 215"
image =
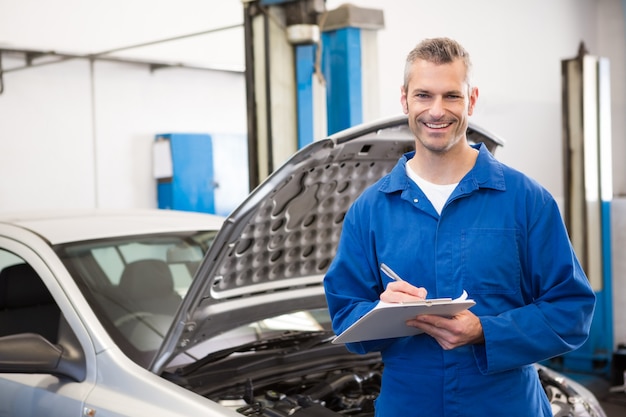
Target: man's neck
column 443, row 168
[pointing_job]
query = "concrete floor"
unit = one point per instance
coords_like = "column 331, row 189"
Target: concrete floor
column 613, row 403
column 613, row 409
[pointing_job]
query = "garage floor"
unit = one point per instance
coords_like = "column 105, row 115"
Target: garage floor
column 614, row 409
column 613, row 403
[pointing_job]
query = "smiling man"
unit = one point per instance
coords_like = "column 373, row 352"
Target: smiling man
column 449, row 217
column 438, row 98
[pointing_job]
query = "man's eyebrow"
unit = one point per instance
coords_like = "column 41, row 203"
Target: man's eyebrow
column 420, row 90
column 447, row 93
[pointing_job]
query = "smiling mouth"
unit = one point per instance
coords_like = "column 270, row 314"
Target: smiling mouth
column 437, row 125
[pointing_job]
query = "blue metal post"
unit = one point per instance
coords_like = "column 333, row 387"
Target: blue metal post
column 305, row 65
column 192, row 185
column 341, row 64
column 607, row 272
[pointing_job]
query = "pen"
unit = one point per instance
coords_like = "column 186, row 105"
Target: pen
column 390, row 273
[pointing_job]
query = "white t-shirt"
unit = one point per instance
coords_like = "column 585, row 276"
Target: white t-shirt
column 437, row 194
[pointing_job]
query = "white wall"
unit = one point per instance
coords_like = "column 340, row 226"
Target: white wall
column 70, row 139
column 76, row 136
column 73, row 135
column 517, row 48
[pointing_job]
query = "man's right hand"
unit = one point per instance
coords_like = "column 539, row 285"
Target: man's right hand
column 402, row 292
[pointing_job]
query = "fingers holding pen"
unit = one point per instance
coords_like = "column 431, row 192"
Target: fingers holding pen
column 401, row 292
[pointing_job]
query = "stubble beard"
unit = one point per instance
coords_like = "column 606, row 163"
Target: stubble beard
column 435, row 142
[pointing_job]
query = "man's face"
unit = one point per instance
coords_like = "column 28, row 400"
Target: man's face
column 438, row 102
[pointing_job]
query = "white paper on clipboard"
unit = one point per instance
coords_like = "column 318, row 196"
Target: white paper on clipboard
column 388, row 320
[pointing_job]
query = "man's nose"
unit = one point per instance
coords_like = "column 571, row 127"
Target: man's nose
column 436, row 109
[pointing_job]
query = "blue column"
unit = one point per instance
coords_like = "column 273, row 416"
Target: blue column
column 191, row 186
column 341, row 63
column 305, row 66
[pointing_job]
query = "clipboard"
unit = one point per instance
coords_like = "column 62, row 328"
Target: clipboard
column 388, row 320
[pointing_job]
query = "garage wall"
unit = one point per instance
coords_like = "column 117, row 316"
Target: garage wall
column 516, row 47
column 46, row 146
column 76, row 135
column 79, row 135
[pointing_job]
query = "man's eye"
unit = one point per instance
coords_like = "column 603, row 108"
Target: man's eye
column 421, row 95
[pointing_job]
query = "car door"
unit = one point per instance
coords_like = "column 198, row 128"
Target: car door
column 32, row 303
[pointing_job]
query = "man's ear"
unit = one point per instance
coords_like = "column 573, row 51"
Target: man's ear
column 403, row 101
column 472, row 100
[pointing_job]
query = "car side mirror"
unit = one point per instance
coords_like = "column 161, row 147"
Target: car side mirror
column 32, row 353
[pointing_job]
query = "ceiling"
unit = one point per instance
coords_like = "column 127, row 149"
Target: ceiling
column 200, row 33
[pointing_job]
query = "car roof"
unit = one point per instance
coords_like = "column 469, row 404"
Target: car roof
column 64, row 226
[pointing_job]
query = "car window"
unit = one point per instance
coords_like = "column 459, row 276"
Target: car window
column 111, row 263
column 26, row 305
column 111, row 258
column 8, row 259
column 135, row 284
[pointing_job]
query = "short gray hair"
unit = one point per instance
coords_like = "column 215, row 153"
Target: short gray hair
column 438, row 51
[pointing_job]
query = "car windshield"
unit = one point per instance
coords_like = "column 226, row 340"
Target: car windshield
column 136, row 284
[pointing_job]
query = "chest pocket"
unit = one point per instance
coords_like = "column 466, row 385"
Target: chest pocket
column 490, row 261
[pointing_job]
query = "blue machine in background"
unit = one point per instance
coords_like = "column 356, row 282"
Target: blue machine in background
column 184, row 169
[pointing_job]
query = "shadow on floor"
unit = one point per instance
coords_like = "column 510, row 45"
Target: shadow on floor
column 613, row 401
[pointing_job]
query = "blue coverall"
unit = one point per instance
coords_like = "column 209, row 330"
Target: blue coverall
column 500, row 237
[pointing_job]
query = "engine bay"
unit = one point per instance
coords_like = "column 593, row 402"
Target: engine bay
column 326, row 381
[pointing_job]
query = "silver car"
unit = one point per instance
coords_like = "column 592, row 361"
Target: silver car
column 164, row 313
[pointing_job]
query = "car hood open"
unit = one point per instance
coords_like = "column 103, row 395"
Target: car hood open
column 272, row 252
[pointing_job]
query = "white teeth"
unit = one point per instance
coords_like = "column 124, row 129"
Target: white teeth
column 439, row 126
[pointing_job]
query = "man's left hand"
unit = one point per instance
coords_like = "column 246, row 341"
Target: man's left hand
column 463, row 329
